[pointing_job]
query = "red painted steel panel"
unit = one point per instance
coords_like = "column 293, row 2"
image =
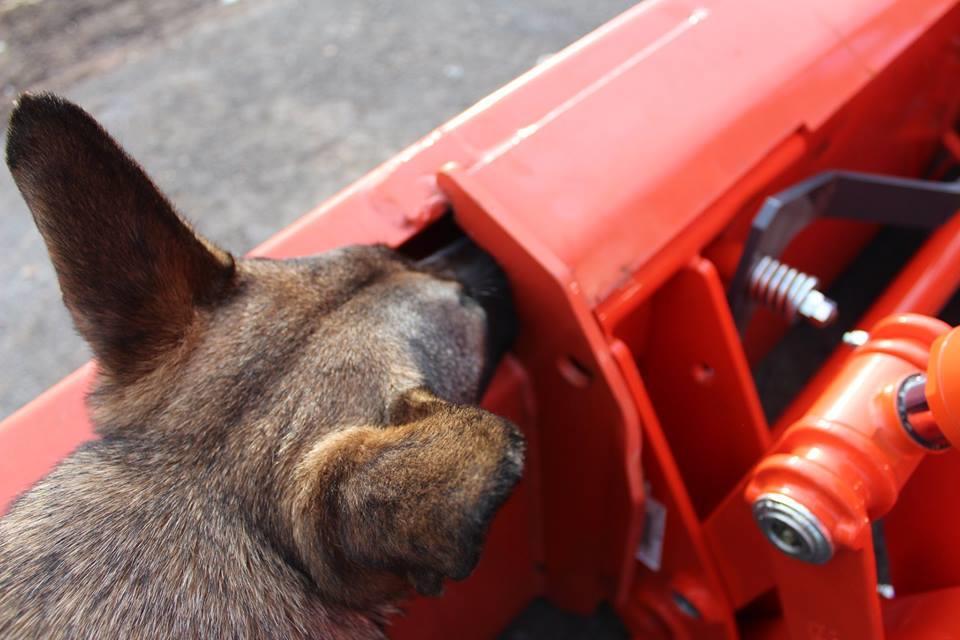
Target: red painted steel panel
column 596, row 178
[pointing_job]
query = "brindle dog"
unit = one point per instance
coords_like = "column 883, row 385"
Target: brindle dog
column 286, row 447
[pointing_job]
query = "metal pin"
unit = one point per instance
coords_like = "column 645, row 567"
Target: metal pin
column 792, row 528
column 856, row 338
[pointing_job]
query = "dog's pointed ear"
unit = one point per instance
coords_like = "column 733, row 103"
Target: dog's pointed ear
column 132, row 273
column 415, row 498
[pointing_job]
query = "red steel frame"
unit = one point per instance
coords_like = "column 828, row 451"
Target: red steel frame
column 615, row 183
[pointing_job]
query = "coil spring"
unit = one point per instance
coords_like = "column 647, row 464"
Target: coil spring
column 780, row 287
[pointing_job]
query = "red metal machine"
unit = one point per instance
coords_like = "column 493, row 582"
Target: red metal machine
column 625, row 187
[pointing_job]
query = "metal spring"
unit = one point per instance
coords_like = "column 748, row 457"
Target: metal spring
column 779, row 287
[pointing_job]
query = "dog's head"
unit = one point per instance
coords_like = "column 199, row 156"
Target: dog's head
column 324, row 399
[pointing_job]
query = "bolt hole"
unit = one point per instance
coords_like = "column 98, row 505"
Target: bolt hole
column 703, row 373
column 574, row 372
column 684, row 605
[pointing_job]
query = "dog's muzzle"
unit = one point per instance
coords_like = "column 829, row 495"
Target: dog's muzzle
column 485, row 282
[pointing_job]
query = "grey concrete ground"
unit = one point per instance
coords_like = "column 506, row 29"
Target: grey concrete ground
column 247, row 112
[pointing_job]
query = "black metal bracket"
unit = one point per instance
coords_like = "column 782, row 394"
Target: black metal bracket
column 886, row 200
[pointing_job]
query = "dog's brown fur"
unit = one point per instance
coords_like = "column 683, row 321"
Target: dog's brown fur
column 285, row 446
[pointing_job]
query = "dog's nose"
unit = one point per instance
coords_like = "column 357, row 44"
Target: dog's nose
column 484, row 281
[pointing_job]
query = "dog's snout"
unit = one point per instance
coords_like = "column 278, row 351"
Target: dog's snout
column 485, row 282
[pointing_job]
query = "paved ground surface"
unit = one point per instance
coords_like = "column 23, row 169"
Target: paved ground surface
column 248, row 113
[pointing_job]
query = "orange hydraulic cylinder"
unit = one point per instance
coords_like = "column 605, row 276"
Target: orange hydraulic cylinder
column 923, row 286
column 846, row 460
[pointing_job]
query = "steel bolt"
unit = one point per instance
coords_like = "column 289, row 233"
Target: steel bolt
column 792, row 528
column 818, row 309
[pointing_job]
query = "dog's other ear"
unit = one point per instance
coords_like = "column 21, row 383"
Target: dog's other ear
column 415, row 498
column 132, row 273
